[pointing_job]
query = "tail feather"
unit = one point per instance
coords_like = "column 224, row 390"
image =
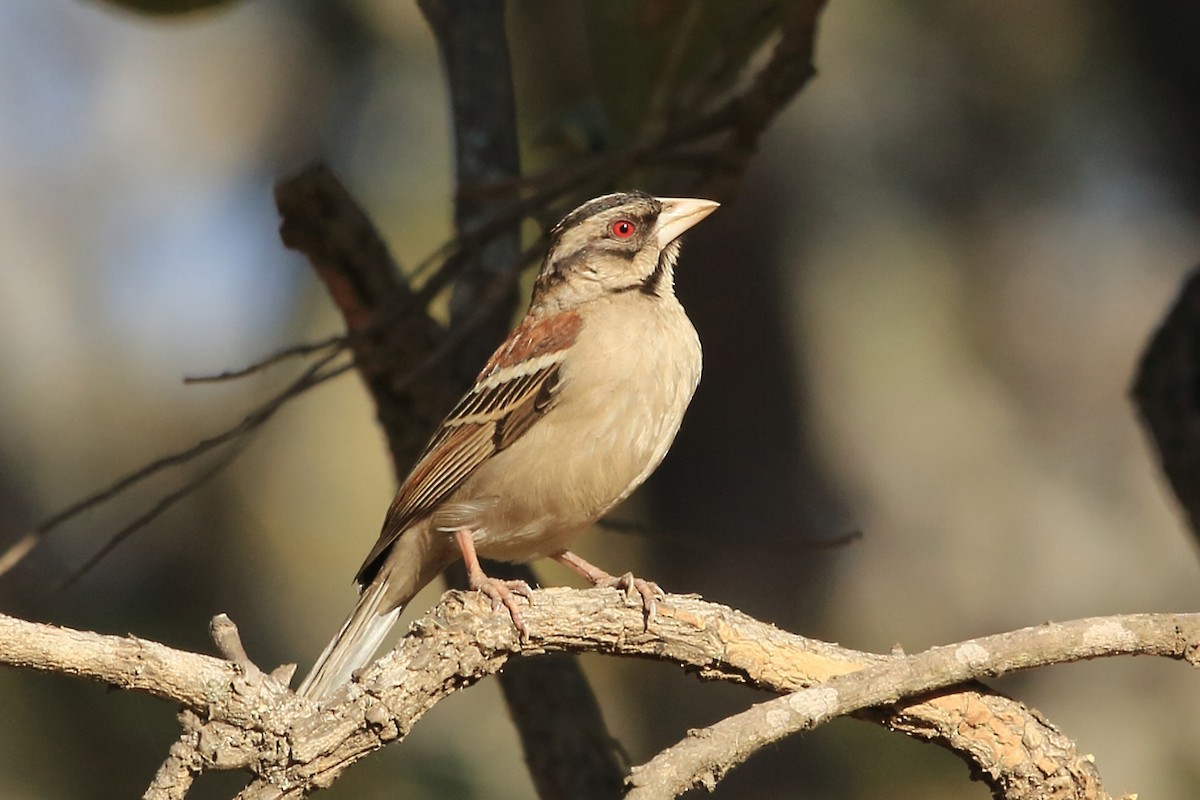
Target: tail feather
column 355, row 643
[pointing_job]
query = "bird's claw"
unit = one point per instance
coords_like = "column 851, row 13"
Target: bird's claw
column 649, row 591
column 504, row 593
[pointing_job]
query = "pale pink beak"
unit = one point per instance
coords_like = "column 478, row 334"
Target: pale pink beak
column 679, row 214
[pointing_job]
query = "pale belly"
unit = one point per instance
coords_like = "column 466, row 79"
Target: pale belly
column 588, row 454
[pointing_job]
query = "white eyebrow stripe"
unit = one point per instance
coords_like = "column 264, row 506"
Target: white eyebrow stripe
column 520, row 370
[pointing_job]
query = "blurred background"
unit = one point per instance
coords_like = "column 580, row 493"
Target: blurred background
column 921, row 313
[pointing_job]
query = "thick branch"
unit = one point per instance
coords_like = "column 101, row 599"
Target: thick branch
column 253, row 723
column 706, row 755
column 126, row 662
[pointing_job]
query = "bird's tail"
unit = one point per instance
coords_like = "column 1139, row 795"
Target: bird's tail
column 355, row 643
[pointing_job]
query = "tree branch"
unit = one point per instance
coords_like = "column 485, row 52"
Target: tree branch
column 175, row 776
column 126, row 662
column 704, row 756
column 252, row 721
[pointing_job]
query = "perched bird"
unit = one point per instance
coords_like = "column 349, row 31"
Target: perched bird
column 571, row 413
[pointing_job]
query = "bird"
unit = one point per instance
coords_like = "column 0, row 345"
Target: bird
column 571, row 413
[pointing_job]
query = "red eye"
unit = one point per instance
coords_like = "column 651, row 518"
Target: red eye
column 623, row 229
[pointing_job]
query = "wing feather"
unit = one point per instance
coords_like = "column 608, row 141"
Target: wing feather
column 485, row 421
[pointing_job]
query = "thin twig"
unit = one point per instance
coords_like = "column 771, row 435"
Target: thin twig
column 770, row 90
column 275, row 358
column 252, row 421
column 161, row 506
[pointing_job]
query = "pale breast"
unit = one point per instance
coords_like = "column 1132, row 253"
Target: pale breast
column 624, row 390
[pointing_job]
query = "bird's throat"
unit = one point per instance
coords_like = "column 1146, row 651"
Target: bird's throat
column 663, row 273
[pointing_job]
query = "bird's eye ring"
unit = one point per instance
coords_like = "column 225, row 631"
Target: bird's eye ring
column 623, row 229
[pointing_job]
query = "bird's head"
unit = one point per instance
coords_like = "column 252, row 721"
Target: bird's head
column 625, row 242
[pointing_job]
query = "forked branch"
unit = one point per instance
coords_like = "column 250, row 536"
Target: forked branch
column 252, row 722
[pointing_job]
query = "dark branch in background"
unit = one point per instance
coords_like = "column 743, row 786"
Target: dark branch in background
column 389, row 329
column 408, row 375
column 1166, row 391
column 474, row 50
column 715, row 142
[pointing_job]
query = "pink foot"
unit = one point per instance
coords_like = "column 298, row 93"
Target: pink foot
column 504, row 593
column 649, row 591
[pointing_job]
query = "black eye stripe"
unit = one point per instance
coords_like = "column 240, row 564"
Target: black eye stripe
column 590, row 209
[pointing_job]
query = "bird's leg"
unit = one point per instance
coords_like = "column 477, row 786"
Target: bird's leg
column 500, row 591
column 649, row 591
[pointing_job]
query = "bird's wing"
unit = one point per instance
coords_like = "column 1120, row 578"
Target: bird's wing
column 515, row 390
